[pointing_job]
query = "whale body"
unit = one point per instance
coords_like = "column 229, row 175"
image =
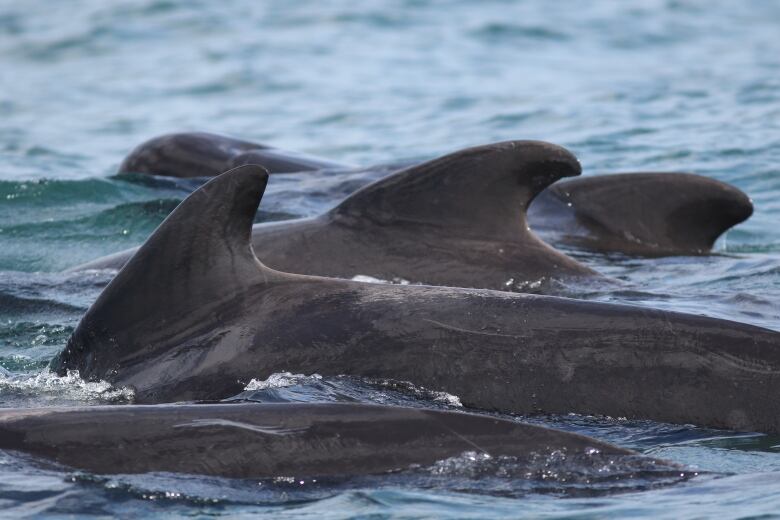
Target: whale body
column 645, row 214
column 195, row 315
column 200, row 154
column 270, row 440
column 458, row 221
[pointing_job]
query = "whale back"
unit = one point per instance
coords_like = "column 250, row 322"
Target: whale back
column 484, row 191
column 266, row 440
column 195, row 154
column 200, row 154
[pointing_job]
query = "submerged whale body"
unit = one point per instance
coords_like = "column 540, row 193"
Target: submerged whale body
column 649, row 214
column 269, row 440
column 200, row 154
column 458, row 221
column 195, row 315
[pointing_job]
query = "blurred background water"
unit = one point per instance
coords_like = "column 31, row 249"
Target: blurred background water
column 653, row 85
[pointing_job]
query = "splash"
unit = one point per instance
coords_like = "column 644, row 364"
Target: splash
column 316, row 388
column 418, row 392
column 282, row 380
column 589, row 467
column 370, row 279
column 48, row 388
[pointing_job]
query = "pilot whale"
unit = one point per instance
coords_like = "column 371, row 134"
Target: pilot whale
column 644, row 214
column 283, row 439
column 458, row 221
column 661, row 214
column 200, row 154
column 195, row 315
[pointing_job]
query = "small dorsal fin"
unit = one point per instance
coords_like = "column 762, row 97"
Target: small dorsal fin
column 484, row 190
column 200, row 256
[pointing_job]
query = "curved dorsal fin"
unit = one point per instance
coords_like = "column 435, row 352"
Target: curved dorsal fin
column 200, row 256
column 671, row 213
column 206, row 240
column 484, row 190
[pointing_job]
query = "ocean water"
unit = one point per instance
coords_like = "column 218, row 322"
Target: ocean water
column 653, row 85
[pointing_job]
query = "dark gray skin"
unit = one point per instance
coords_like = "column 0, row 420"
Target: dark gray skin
column 456, row 221
column 200, row 154
column 645, row 214
column 270, row 440
column 664, row 213
column 195, row 315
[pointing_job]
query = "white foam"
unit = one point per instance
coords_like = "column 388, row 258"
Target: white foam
column 370, row 279
column 282, row 380
column 407, row 387
column 466, row 462
column 68, row 387
column 444, row 397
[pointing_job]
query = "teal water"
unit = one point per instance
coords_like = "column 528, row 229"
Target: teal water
column 650, row 85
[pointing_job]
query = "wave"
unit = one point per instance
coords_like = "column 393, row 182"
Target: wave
column 285, row 387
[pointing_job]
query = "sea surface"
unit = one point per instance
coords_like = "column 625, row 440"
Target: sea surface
column 653, row 85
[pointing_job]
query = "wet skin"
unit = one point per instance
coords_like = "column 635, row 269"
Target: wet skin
column 456, row 221
column 269, row 440
column 195, row 315
column 647, row 214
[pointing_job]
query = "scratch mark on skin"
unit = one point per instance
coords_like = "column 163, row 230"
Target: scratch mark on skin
column 470, row 331
column 463, row 438
column 268, row 430
column 747, row 365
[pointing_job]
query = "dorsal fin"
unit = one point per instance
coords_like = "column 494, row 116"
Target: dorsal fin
column 670, row 213
column 208, row 238
column 200, row 256
column 484, row 190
